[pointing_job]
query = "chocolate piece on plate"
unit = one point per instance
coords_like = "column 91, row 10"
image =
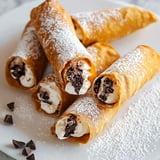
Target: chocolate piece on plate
column 31, row 157
column 26, row 151
column 18, row 144
column 8, row 119
column 31, row 145
column 11, row 106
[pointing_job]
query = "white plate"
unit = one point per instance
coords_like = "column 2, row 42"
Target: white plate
column 32, row 125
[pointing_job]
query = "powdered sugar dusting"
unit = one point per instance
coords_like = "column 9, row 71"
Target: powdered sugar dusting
column 29, row 46
column 87, row 106
column 96, row 19
column 135, row 134
column 128, row 63
column 29, row 120
column 62, row 37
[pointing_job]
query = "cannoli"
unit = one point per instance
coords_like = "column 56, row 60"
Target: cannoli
column 48, row 95
column 82, row 121
column 124, row 77
column 110, row 24
column 25, row 67
column 70, row 60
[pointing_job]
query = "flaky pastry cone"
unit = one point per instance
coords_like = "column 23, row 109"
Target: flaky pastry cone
column 48, row 95
column 25, row 67
column 126, row 76
column 71, row 62
column 110, row 24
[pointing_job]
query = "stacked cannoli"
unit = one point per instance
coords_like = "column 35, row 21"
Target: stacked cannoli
column 49, row 96
column 89, row 82
column 86, row 117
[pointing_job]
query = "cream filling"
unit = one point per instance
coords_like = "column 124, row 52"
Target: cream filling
column 86, row 83
column 80, row 130
column 54, row 97
column 26, row 80
column 111, row 97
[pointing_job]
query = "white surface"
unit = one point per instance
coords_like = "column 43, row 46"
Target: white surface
column 8, row 5
column 32, row 125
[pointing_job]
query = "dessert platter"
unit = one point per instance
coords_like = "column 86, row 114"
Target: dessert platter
column 80, row 79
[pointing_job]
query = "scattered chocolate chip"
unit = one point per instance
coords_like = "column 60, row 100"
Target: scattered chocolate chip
column 31, row 145
column 11, row 106
column 31, row 157
column 26, row 151
column 97, row 85
column 45, row 97
column 18, row 70
column 75, row 77
column 71, row 125
column 102, row 97
column 8, row 119
column 18, row 144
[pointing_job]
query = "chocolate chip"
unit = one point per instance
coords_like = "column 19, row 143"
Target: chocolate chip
column 45, row 97
column 70, row 71
column 11, row 106
column 77, row 83
column 108, row 82
column 31, row 145
column 97, row 85
column 26, row 151
column 31, row 157
column 71, row 125
column 18, row 70
column 108, row 90
column 18, row 144
column 8, row 119
column 102, row 97
column 75, row 77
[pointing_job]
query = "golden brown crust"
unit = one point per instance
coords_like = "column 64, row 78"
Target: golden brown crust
column 111, row 24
